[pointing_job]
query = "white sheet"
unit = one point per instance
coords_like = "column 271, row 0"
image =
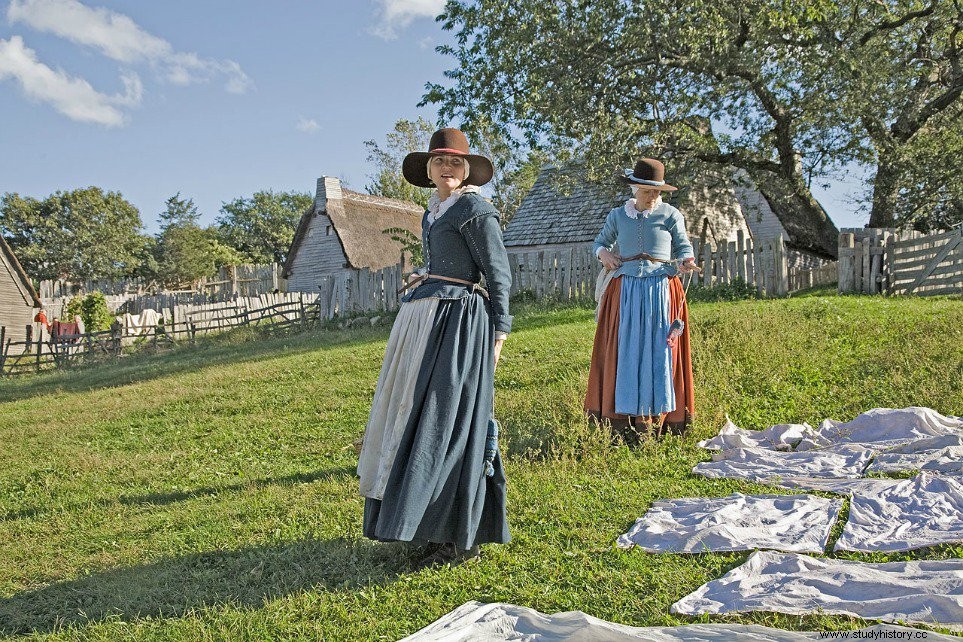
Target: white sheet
column 922, row 591
column 923, row 511
column 778, row 437
column 760, row 465
column 868, row 485
column 477, row 622
column 885, row 428
column 935, row 454
column 799, row 523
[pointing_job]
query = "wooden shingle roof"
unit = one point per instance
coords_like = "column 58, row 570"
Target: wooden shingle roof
column 546, row 217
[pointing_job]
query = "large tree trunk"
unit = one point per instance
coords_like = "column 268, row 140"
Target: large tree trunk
column 885, row 193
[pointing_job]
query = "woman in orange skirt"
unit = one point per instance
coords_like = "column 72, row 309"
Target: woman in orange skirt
column 641, row 372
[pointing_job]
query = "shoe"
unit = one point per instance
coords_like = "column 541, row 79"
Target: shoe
column 448, row 555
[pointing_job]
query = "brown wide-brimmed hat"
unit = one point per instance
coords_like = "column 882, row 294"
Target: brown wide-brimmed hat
column 649, row 173
column 446, row 142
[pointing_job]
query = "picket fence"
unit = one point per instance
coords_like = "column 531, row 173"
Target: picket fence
column 571, row 273
column 135, row 295
column 890, row 261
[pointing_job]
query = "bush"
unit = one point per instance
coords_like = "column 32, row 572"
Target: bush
column 92, row 309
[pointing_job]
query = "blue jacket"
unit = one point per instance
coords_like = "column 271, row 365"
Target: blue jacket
column 661, row 234
column 466, row 243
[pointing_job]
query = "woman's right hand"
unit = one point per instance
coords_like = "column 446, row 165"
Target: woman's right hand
column 610, row 260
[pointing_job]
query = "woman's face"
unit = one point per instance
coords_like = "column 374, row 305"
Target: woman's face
column 645, row 198
column 447, row 172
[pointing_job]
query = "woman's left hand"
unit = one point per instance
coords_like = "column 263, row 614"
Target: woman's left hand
column 688, row 265
column 498, row 350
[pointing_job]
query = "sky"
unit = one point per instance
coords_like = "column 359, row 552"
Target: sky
column 218, row 99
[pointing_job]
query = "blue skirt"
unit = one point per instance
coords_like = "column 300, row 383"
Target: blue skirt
column 643, row 379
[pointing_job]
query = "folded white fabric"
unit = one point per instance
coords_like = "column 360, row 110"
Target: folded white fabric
column 760, row 465
column 922, row 591
column 477, row 622
column 798, row 523
column 778, row 437
column 885, row 428
column 923, row 511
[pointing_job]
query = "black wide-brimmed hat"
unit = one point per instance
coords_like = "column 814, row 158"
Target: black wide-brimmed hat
column 446, row 142
column 649, row 173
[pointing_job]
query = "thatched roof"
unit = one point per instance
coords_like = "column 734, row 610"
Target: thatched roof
column 359, row 221
column 19, row 275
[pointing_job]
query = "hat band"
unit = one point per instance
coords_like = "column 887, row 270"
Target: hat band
column 645, row 182
column 447, row 150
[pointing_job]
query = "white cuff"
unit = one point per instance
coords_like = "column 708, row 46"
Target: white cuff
column 598, row 251
column 500, row 336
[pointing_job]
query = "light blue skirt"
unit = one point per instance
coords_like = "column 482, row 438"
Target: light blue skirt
column 643, row 377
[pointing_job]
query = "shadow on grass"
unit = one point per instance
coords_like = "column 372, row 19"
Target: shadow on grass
column 163, row 499
column 231, row 347
column 170, row 588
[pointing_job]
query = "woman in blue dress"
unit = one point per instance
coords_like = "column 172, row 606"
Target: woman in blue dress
column 641, row 372
column 422, row 464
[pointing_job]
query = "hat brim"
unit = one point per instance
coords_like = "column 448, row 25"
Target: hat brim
column 628, row 180
column 415, row 168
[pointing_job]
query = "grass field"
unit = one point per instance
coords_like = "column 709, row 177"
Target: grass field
column 210, row 494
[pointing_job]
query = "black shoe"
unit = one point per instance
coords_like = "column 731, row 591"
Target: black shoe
column 448, row 555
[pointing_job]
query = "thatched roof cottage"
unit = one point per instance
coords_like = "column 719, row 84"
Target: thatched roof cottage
column 345, row 230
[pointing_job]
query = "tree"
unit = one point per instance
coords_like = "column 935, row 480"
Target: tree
column 262, row 227
column 609, row 80
column 184, row 250
column 406, row 137
column 82, row 234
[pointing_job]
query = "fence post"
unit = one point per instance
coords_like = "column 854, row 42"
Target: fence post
column 741, row 255
column 868, row 284
column 847, row 253
column 3, row 347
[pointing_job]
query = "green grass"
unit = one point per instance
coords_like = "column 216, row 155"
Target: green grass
column 210, row 494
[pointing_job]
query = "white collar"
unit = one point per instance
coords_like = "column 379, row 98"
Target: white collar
column 437, row 207
column 633, row 213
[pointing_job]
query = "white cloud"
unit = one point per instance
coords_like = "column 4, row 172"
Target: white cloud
column 120, row 38
column 426, row 42
column 398, row 14
column 73, row 97
column 308, row 125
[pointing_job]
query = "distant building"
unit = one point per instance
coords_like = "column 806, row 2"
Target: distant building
column 18, row 300
column 344, row 230
column 716, row 208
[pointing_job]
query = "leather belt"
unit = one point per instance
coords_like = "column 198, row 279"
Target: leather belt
column 424, row 277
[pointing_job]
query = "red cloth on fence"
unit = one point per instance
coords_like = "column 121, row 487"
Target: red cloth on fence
column 61, row 329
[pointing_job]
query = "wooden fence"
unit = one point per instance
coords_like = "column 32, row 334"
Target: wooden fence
column 888, row 261
column 351, row 293
column 135, row 295
column 571, row 273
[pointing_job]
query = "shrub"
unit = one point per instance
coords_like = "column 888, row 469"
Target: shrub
column 93, row 309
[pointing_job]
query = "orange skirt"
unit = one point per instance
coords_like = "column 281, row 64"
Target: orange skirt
column 600, row 397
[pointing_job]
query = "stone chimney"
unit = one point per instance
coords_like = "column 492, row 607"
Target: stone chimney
column 329, row 189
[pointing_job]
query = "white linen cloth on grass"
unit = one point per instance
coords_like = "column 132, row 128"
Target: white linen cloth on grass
column 921, row 591
column 923, row 511
column 798, row 523
column 778, row 437
column 758, row 464
column 936, row 454
column 885, row 428
column 867, row 485
column 477, row 622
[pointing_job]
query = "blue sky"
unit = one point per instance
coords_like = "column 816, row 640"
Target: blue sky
column 215, row 99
